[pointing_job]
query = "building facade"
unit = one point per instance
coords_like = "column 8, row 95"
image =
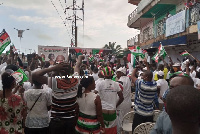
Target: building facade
column 171, row 22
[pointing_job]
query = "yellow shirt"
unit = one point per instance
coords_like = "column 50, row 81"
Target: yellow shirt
column 165, row 74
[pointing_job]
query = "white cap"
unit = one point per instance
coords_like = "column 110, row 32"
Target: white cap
column 123, row 70
column 160, row 73
column 145, row 68
column 198, row 69
column 176, row 65
column 140, row 72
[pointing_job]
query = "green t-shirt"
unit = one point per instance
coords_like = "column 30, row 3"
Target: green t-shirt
column 79, row 54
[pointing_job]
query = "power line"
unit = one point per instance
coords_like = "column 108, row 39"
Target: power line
column 61, row 18
column 61, row 5
column 74, row 7
column 65, row 12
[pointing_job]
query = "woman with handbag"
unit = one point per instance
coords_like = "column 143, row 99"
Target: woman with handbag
column 38, row 102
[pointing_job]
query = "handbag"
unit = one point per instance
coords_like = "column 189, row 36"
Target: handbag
column 35, row 102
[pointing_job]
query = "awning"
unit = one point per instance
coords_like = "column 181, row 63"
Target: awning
column 170, row 42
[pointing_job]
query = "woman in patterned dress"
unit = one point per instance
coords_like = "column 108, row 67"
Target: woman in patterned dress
column 90, row 120
column 12, row 108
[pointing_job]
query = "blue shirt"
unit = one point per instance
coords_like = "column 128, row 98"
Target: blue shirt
column 144, row 96
column 163, row 124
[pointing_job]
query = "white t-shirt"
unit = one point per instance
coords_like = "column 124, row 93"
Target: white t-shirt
column 38, row 117
column 162, row 83
column 86, row 57
column 95, row 76
column 1, row 85
column 193, row 74
column 107, row 90
column 126, row 91
column 27, row 85
column 167, row 78
column 112, row 59
column 196, row 82
column 99, row 80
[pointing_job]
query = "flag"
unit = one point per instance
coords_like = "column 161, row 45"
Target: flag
column 4, row 40
column 91, row 58
column 101, row 59
column 137, row 51
column 184, row 53
column 97, row 51
column 161, row 52
column 144, row 51
column 14, row 50
column 20, row 76
column 134, row 61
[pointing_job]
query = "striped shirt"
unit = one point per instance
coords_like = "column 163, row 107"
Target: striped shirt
column 64, row 98
column 144, row 96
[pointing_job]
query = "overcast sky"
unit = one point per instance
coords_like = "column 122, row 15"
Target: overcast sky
column 105, row 21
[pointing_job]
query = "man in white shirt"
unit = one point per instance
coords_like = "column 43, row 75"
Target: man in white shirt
column 162, row 86
column 197, row 80
column 112, row 59
column 125, row 106
column 85, row 59
column 108, row 91
column 95, row 74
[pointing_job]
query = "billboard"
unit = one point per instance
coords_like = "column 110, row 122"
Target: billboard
column 175, row 24
column 89, row 50
column 53, row 53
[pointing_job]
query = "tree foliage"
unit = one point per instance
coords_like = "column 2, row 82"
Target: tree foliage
column 116, row 49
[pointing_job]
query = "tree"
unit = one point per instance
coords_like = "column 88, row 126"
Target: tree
column 115, row 50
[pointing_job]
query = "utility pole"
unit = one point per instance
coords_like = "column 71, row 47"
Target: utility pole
column 74, row 19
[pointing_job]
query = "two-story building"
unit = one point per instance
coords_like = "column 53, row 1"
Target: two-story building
column 171, row 22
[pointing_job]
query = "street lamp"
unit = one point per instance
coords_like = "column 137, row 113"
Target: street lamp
column 20, row 33
column 30, row 50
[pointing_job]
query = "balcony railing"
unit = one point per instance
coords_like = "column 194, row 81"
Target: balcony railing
column 194, row 14
column 160, row 28
column 146, row 35
column 133, row 41
column 132, row 15
column 192, row 17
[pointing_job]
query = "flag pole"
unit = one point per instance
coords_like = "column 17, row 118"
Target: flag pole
column 190, row 55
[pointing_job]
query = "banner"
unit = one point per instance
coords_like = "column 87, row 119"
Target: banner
column 175, row 24
column 53, row 53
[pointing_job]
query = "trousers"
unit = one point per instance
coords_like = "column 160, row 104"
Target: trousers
column 62, row 126
column 138, row 119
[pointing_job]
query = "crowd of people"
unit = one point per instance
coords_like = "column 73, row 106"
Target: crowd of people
column 45, row 104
